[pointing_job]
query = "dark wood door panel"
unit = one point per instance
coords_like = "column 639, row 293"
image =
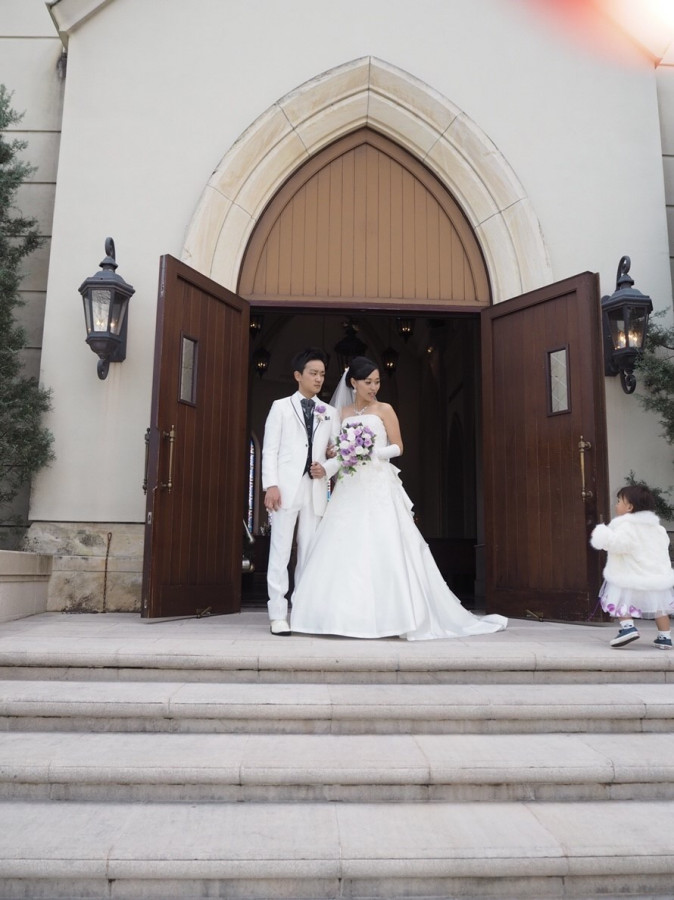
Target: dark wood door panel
column 537, row 521
column 196, row 473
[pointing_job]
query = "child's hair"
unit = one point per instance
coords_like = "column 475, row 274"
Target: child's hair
column 638, row 496
column 304, row 357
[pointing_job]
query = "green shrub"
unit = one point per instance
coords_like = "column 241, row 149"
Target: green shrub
column 25, row 444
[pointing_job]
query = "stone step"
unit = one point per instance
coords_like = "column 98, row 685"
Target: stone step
column 210, row 768
column 335, row 850
column 334, row 708
column 121, row 647
column 199, row 759
column 657, row 667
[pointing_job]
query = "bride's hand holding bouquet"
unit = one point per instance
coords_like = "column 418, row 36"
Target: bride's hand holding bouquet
column 355, row 445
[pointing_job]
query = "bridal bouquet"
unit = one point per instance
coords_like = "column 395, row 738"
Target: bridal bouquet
column 355, row 443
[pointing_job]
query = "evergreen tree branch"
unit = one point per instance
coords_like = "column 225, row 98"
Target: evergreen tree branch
column 26, row 445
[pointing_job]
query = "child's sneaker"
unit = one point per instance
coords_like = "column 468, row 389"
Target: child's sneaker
column 625, row 636
column 664, row 643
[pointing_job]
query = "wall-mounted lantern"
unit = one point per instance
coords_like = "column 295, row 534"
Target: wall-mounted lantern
column 625, row 321
column 405, row 328
column 255, row 325
column 261, row 358
column 106, row 296
column 389, row 358
column 349, row 346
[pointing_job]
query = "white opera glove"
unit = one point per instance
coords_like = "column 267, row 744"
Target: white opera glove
column 387, row 452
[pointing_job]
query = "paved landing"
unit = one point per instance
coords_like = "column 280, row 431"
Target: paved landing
column 242, row 644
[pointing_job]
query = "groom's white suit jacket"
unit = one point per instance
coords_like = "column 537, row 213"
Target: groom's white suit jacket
column 284, row 450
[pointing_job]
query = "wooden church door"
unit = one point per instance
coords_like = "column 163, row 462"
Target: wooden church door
column 196, row 448
column 544, row 450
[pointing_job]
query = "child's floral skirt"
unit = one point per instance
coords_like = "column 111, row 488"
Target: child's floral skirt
column 629, row 602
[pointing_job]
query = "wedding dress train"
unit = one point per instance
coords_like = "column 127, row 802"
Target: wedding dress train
column 369, row 573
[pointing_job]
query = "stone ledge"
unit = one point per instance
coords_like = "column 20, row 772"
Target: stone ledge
column 24, row 584
column 96, row 566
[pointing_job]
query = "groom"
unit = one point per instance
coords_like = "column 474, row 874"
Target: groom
column 295, row 474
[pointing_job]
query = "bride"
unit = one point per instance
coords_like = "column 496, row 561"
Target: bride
column 369, row 572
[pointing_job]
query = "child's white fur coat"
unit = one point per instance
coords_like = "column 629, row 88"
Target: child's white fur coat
column 638, row 552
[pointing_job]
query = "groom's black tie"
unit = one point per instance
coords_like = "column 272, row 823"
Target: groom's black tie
column 308, row 410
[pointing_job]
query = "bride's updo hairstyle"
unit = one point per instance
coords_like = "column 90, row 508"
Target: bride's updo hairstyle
column 360, row 368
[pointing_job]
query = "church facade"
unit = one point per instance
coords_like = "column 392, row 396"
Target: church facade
column 453, row 183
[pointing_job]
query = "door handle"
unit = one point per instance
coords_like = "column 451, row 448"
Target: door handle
column 583, row 447
column 171, row 437
column 147, row 458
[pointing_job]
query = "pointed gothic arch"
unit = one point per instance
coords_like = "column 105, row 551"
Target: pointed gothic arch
column 369, row 92
column 364, row 223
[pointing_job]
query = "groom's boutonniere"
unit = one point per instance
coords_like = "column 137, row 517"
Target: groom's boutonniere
column 319, row 413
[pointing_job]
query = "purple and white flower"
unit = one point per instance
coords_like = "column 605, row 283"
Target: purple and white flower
column 319, row 413
column 355, row 443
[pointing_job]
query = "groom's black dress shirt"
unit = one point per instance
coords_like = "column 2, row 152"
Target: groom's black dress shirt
column 308, row 410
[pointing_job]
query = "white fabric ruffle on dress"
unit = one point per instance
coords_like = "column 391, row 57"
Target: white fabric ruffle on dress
column 369, row 572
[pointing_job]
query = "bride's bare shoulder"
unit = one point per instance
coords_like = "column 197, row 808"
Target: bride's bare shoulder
column 382, row 408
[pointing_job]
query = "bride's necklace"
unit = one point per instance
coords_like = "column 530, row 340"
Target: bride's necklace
column 359, row 412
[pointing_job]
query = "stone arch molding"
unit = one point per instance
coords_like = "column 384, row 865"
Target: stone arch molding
column 369, row 92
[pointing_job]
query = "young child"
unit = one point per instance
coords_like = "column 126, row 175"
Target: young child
column 638, row 576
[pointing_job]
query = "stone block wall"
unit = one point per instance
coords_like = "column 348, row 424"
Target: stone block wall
column 96, row 567
column 24, row 580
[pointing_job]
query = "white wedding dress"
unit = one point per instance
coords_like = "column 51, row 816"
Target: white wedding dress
column 369, row 573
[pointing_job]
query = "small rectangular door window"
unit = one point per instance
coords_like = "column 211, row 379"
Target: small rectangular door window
column 558, row 381
column 188, row 370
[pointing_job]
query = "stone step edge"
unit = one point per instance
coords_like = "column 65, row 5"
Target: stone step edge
column 298, row 676
column 656, row 661
column 311, row 703
column 161, row 759
column 479, row 888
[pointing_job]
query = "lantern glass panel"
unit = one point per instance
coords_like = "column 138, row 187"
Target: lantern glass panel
column 118, row 312
column 616, row 322
column 100, row 309
column 637, row 329
column 87, row 313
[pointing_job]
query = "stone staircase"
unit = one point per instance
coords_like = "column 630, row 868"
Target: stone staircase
column 155, row 764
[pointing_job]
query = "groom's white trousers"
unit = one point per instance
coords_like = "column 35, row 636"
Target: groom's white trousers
column 300, row 511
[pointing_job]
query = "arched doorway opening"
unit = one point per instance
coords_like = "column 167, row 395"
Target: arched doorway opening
column 536, row 547
column 363, row 235
column 369, row 92
column 435, row 389
column 459, row 198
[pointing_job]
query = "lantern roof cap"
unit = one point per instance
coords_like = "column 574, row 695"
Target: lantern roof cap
column 107, row 275
column 625, row 292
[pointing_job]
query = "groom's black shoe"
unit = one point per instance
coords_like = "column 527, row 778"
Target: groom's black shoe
column 280, row 628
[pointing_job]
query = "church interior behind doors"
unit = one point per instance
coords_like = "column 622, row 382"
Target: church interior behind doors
column 363, row 244
column 430, row 370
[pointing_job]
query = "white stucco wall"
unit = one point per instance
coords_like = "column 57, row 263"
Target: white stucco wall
column 30, row 52
column 29, row 55
column 156, row 94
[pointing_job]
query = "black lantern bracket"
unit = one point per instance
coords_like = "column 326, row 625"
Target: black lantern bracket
column 105, row 297
column 625, row 323
column 349, row 346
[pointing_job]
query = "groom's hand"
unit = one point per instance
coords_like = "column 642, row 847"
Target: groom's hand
column 272, row 499
column 317, row 470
